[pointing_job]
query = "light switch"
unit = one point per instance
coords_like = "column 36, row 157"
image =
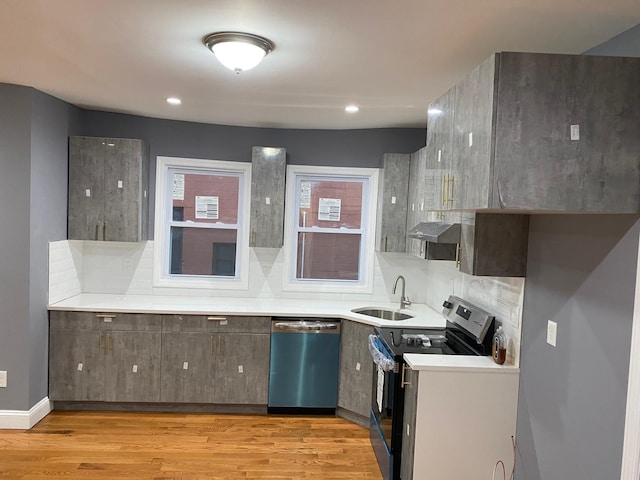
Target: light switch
column 358, row 366
column 87, row 192
column 135, row 369
column 393, row 200
column 240, row 369
column 185, row 365
column 120, row 184
column 552, row 331
column 80, row 367
column 267, row 200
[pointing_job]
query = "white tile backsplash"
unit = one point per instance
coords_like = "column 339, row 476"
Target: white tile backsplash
column 65, row 269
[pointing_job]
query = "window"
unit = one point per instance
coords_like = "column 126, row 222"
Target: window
column 330, row 222
column 200, row 223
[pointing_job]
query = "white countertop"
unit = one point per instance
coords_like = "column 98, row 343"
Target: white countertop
column 456, row 363
column 424, row 316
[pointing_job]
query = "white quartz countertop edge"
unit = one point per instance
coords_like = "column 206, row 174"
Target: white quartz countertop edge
column 423, row 315
column 457, row 363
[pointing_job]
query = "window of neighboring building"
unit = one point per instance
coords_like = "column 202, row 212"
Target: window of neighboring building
column 330, row 228
column 201, row 224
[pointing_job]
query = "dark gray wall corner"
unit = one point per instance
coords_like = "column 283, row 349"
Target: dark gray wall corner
column 52, row 121
column 572, row 403
column 626, row 44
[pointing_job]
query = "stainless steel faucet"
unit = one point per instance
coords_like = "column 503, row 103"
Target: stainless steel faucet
column 404, row 300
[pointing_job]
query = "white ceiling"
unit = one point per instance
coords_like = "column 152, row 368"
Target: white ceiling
column 389, row 57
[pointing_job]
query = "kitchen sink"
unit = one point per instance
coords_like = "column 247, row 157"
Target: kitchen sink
column 382, row 313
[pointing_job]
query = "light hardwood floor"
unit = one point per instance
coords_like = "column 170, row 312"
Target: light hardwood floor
column 163, row 446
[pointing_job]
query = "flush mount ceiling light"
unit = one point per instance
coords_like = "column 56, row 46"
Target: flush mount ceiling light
column 352, row 109
column 238, row 51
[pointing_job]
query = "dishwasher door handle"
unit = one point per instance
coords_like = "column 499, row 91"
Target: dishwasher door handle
column 306, row 327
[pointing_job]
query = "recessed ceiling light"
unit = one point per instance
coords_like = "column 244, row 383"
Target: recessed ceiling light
column 351, row 109
column 434, row 111
column 174, row 101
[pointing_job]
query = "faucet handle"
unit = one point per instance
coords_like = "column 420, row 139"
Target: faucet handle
column 405, row 302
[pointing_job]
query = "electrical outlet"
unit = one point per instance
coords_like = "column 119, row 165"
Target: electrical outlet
column 3, row 379
column 552, row 331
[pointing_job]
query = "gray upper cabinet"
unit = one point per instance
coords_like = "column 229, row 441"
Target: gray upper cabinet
column 108, row 189
column 392, row 203
column 268, row 167
column 441, row 162
column 545, row 133
column 356, row 369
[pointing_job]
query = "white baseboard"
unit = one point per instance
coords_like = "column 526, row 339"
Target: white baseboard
column 25, row 420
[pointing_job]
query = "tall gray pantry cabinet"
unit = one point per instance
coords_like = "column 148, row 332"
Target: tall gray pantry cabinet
column 108, row 189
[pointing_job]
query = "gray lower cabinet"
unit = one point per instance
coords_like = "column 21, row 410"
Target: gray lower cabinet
column 409, row 424
column 215, row 359
column 104, row 357
column 356, row 368
column 268, row 167
column 108, row 189
column 547, row 133
column 392, row 202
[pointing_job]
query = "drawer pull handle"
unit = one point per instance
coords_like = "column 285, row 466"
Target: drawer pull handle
column 211, row 344
column 106, row 315
column 216, row 319
column 403, row 383
column 108, row 343
column 100, row 344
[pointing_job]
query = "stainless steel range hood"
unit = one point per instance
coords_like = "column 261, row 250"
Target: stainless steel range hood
column 435, row 232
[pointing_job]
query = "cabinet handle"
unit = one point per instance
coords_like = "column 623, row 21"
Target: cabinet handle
column 445, row 189
column 385, row 243
column 97, row 230
column 106, row 315
column 450, row 196
column 108, row 343
column 403, row 383
column 253, row 238
column 104, row 231
column 219, row 345
column 216, row 319
column 458, row 256
column 442, row 190
column 211, row 344
column 100, row 344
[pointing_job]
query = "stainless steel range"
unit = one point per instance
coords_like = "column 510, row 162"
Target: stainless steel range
column 468, row 331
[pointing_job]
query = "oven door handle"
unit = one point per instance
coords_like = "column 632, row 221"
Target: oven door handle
column 380, row 358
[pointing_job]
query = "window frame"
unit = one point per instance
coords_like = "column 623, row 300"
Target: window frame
column 164, row 220
column 368, row 228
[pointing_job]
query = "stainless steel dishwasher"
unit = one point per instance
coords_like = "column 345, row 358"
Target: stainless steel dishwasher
column 303, row 374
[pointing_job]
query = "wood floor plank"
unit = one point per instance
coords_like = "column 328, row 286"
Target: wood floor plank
column 182, row 446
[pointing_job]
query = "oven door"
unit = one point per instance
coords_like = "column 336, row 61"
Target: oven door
column 381, row 431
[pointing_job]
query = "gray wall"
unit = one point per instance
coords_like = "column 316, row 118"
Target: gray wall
column 347, row 148
column 51, row 123
column 33, row 160
column 581, row 274
column 14, row 244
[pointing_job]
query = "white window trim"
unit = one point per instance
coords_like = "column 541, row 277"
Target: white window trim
column 365, row 284
column 161, row 245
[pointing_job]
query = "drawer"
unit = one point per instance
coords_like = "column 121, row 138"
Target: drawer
column 216, row 323
column 139, row 322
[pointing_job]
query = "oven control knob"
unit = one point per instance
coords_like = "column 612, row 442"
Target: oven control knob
column 447, row 304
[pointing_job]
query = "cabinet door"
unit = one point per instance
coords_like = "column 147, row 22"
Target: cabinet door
column 440, row 137
column 473, row 136
column 132, row 367
column 122, row 186
column 393, row 202
column 76, row 365
column 86, row 188
column 241, row 368
column 572, row 144
column 356, row 368
column 268, row 166
column 409, row 424
column 187, row 367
